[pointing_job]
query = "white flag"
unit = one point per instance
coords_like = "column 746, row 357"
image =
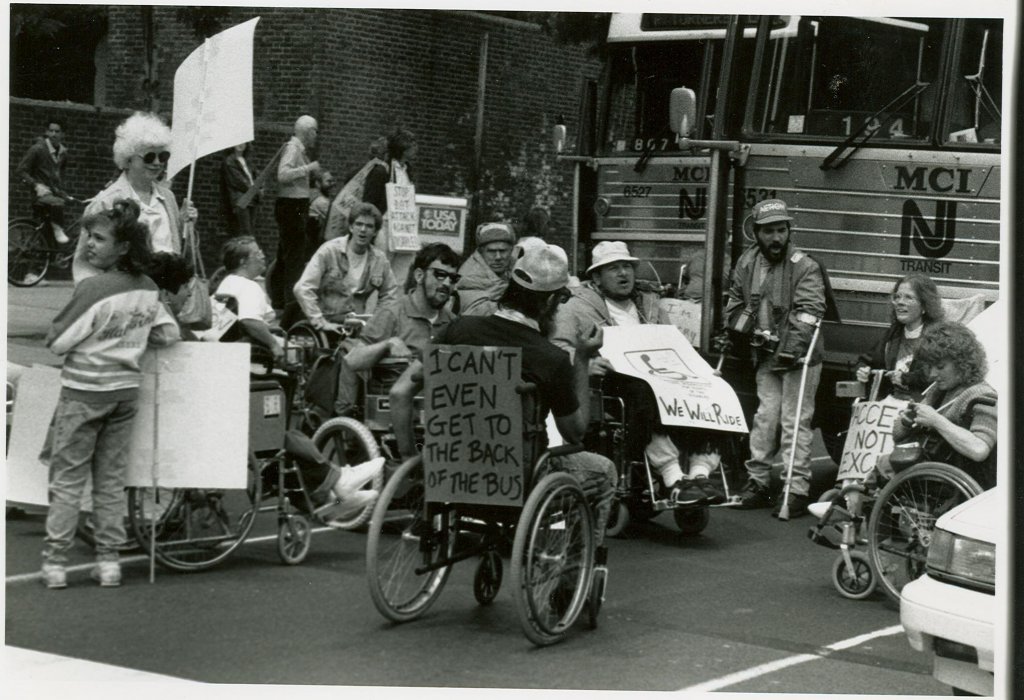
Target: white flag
column 213, row 97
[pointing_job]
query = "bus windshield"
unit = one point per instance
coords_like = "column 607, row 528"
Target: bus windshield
column 977, row 90
column 843, row 76
column 641, row 78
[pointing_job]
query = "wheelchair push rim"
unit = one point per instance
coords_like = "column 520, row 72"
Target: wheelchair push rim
column 347, row 442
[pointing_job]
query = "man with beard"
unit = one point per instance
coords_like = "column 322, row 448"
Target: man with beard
column 485, row 273
column 346, row 272
column 402, row 327
column 536, row 289
column 612, row 298
column 776, row 297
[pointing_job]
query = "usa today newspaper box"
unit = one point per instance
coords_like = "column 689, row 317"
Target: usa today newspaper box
column 473, row 425
column 442, row 220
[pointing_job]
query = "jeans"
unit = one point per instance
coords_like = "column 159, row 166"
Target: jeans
column 597, row 477
column 777, row 396
column 88, row 438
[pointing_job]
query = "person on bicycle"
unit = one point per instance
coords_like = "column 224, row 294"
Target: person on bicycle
column 524, row 318
column 344, row 273
column 612, row 297
column 402, row 327
column 42, row 168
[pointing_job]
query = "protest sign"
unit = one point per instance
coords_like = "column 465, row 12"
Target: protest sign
column 684, row 314
column 401, row 217
column 869, row 438
column 473, row 432
column 685, row 387
column 203, row 422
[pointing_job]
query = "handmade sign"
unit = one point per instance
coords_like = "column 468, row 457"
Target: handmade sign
column 684, row 314
column 685, row 387
column 402, row 222
column 473, row 432
column 869, row 438
column 196, row 438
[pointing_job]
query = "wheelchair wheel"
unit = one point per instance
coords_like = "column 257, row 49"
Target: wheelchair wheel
column 401, row 540
column 618, row 519
column 903, row 518
column 28, row 253
column 595, row 599
column 193, row 529
column 856, row 583
column 552, row 558
column 293, row 539
column 347, row 442
column 487, row 579
column 693, row 520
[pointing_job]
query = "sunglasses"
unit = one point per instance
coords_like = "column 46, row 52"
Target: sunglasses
column 442, row 275
column 162, row 156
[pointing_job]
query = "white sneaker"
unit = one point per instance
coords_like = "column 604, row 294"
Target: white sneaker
column 59, row 235
column 108, row 573
column 356, row 477
column 352, row 505
column 819, row 509
column 54, row 576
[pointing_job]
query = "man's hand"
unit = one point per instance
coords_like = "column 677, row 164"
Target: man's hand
column 398, row 348
column 863, row 374
column 325, row 325
column 722, row 343
column 191, row 213
column 588, row 346
column 314, row 167
column 42, row 190
column 600, row 366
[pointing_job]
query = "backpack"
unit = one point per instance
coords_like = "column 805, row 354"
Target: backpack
column 347, row 197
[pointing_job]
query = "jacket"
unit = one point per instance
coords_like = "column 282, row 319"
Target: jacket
column 38, row 166
column 586, row 309
column 234, row 182
column 883, row 356
column 120, row 189
column 794, row 296
column 480, row 287
column 322, row 292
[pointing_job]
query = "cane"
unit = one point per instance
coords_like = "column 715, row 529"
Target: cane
column 784, row 507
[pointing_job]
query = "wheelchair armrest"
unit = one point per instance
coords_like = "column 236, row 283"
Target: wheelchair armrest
column 526, row 388
column 563, row 450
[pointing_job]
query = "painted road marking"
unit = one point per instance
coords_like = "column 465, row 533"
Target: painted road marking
column 778, row 665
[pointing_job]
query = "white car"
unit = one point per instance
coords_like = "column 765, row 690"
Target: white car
column 950, row 611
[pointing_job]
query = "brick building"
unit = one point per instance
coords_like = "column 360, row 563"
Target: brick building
column 467, row 84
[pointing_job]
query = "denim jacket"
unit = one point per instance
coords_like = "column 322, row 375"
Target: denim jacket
column 322, row 292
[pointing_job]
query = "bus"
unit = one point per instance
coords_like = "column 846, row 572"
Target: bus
column 882, row 134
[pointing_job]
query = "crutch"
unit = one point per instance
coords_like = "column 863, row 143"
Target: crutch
column 784, row 507
column 730, row 500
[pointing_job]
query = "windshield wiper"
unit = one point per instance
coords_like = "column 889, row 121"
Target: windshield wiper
column 847, row 148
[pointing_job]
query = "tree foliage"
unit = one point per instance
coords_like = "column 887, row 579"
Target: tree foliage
column 589, row 29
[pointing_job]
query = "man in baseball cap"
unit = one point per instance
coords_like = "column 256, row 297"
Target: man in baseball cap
column 611, row 297
column 484, row 275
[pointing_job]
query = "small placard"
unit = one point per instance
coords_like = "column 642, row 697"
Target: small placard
column 869, row 438
column 402, row 222
column 473, row 433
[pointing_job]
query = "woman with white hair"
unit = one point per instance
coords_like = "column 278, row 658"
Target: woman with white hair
column 141, row 153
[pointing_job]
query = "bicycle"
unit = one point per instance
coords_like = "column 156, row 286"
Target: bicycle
column 31, row 248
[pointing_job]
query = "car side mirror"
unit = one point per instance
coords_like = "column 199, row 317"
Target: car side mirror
column 682, row 111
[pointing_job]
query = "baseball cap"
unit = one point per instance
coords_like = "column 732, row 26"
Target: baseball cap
column 542, row 269
column 769, row 211
column 493, row 232
column 607, row 252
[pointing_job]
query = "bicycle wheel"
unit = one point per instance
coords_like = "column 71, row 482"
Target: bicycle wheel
column 552, row 558
column 193, row 529
column 347, row 442
column 903, row 518
column 401, row 540
column 28, row 253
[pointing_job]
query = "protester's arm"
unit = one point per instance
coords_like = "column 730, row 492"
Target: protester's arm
column 972, row 446
column 401, row 396
column 574, row 426
column 306, row 287
column 367, row 356
column 374, row 190
column 260, row 332
column 291, row 166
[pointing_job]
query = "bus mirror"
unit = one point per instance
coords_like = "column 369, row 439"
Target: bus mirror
column 558, row 134
column 682, row 111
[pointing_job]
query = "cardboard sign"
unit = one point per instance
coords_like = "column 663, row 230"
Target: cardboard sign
column 685, row 387
column 869, row 438
column 684, row 314
column 473, row 428
column 203, row 422
column 402, row 222
column 442, row 220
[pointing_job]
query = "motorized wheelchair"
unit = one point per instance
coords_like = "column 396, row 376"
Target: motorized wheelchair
column 414, row 541
column 882, row 525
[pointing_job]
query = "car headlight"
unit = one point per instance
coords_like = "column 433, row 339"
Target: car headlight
column 962, row 561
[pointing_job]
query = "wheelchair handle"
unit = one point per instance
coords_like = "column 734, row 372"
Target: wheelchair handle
column 525, row 388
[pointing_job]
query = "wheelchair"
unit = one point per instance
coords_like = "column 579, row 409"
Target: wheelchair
column 414, row 542
column 883, row 526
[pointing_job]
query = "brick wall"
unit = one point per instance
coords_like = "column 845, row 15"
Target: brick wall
column 361, row 73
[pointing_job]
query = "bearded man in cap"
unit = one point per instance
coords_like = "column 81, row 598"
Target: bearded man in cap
column 612, row 297
column 485, row 272
column 777, row 295
column 536, row 288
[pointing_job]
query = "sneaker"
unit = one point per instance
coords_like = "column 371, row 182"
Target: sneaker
column 711, row 492
column 356, row 477
column 108, row 573
column 336, row 515
column 819, row 508
column 754, row 495
column 686, row 492
column 54, row 576
column 798, row 503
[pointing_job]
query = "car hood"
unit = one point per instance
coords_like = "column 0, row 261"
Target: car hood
column 978, row 518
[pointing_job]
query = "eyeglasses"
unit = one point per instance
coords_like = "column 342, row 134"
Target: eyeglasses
column 162, row 156
column 442, row 275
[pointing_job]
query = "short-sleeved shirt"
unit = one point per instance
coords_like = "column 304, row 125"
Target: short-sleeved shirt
column 402, row 319
column 253, row 303
column 543, row 364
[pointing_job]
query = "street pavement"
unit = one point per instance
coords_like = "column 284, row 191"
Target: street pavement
column 747, row 606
